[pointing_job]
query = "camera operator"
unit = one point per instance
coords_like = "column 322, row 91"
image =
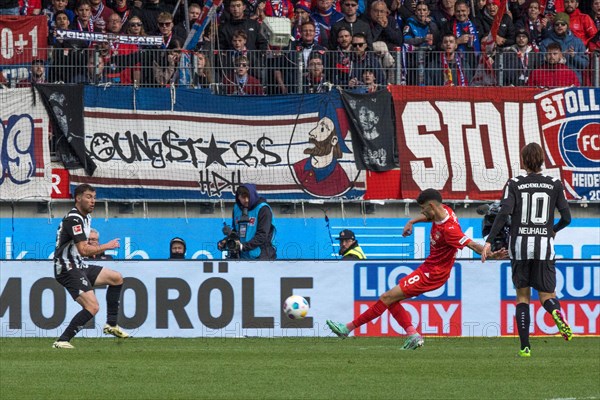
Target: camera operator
column 530, row 200
column 253, row 229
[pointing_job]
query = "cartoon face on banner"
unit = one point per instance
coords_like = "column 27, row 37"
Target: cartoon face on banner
column 569, row 121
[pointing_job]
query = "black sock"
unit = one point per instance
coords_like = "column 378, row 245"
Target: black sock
column 551, row 305
column 77, row 323
column 523, row 321
column 113, row 297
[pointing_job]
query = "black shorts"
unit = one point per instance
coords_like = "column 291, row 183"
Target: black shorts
column 79, row 280
column 538, row 274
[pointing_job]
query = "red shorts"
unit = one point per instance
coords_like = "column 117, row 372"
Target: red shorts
column 418, row 283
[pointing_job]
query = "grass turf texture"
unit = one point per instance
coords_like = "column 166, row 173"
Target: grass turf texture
column 299, row 368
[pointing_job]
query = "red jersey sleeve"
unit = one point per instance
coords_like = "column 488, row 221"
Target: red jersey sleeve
column 455, row 237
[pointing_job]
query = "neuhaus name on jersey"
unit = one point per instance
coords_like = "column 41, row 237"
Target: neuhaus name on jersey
column 535, row 185
column 523, row 230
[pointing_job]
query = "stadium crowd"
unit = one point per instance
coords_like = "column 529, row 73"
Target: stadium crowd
column 354, row 44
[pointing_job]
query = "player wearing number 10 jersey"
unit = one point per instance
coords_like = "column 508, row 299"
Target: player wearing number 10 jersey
column 530, row 200
column 446, row 238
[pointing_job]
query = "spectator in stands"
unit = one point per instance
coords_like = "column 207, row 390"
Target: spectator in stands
column 50, row 13
column 326, row 15
column 60, row 20
column 554, row 72
column 122, row 8
column 238, row 21
column 149, row 13
column 595, row 14
column 519, row 60
column 252, row 219
column 302, row 13
column 83, row 21
column 573, row 49
column 314, row 79
column 240, row 82
column 340, row 59
column 194, row 11
column 165, row 25
column 466, row 30
column 367, row 84
column 351, row 22
column 362, row 59
column 452, row 68
column 534, row 22
column 37, row 74
column 94, row 240
column 62, row 54
column 384, row 27
column 349, row 248
column 9, row 7
column 582, row 25
column 166, row 67
column 227, row 57
column 420, row 33
column 100, row 14
column 203, row 73
column 177, row 249
column 135, row 26
column 114, row 24
column 506, row 31
column 279, row 8
column 479, row 7
column 95, row 72
column 307, row 43
column 443, row 14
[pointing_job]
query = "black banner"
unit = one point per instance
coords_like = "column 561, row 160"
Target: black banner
column 372, row 128
column 64, row 104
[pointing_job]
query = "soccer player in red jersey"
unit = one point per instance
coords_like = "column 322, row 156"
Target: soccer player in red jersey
column 446, row 238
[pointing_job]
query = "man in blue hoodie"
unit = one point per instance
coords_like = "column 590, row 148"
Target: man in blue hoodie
column 252, row 220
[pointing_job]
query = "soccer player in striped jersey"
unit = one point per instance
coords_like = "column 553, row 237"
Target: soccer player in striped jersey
column 79, row 278
column 446, row 238
column 530, row 200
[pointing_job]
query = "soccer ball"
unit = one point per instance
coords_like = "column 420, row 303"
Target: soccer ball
column 295, row 307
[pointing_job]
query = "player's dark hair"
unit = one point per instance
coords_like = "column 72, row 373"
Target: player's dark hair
column 429, row 194
column 532, row 156
column 84, row 187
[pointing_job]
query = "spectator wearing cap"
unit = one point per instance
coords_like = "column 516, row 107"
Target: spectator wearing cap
column 350, row 22
column 519, row 60
column 302, row 14
column 349, row 248
column 582, row 25
column 573, row 49
column 177, row 248
column 505, row 36
column 534, row 21
column 554, row 72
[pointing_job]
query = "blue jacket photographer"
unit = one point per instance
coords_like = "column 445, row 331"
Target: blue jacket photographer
column 252, row 234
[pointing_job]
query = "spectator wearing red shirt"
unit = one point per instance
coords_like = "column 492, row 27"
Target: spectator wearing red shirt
column 554, row 72
column 240, row 82
column 582, row 25
column 446, row 238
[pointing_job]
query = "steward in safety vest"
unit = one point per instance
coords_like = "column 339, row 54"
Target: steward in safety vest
column 349, row 248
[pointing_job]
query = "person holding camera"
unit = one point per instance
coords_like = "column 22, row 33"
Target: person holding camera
column 530, row 201
column 252, row 235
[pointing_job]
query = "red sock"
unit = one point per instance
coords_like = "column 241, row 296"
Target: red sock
column 403, row 318
column 373, row 312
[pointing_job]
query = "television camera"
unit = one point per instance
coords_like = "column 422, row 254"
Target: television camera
column 232, row 237
column 490, row 212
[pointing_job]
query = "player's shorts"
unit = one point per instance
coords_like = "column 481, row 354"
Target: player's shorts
column 418, row 282
column 538, row 274
column 79, row 280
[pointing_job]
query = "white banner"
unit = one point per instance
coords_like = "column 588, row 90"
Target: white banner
column 24, row 140
column 238, row 299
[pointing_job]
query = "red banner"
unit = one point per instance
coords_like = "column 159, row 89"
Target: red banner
column 23, row 39
column 466, row 142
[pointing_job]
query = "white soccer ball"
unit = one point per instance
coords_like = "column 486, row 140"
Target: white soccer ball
column 295, row 307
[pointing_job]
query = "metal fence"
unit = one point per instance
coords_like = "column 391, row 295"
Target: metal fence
column 283, row 71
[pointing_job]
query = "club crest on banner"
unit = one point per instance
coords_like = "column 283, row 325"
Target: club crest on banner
column 569, row 121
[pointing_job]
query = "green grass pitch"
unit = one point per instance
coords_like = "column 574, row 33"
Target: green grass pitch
column 299, row 368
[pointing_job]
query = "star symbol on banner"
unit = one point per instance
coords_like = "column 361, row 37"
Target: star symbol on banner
column 213, row 153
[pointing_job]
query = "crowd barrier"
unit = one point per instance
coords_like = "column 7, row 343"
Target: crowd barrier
column 229, row 299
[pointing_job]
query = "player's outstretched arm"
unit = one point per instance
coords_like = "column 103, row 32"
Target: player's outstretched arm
column 409, row 225
column 486, row 252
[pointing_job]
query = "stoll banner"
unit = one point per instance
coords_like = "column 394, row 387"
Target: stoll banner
column 243, row 299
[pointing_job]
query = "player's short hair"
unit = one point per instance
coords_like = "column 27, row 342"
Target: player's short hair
column 429, row 194
column 532, row 156
column 84, row 187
